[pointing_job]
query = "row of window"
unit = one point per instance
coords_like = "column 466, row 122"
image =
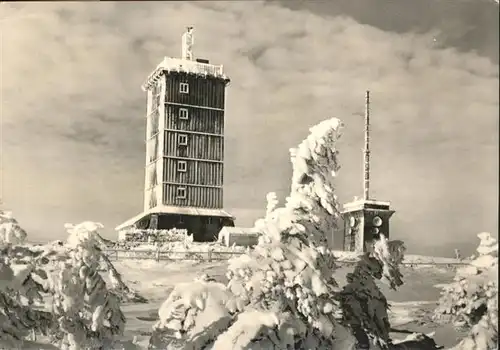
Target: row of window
column 182, row 140
column 181, row 168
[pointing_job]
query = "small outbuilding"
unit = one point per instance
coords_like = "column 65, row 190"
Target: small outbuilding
column 238, row 236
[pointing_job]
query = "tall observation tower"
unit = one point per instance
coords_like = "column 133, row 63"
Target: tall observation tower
column 365, row 219
column 184, row 146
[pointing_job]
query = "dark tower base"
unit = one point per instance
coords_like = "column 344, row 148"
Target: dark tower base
column 364, row 221
column 204, row 225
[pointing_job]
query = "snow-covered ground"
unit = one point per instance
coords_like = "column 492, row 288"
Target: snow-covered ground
column 341, row 255
column 408, row 258
column 412, row 304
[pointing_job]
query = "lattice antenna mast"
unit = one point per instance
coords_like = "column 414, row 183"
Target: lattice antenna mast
column 187, row 44
column 366, row 182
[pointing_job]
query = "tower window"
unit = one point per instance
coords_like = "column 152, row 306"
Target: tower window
column 181, row 192
column 184, row 88
column 182, row 166
column 183, row 113
column 182, row 139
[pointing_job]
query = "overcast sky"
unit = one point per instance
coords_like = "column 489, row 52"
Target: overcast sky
column 73, row 111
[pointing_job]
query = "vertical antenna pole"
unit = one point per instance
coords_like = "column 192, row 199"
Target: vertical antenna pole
column 187, row 44
column 366, row 182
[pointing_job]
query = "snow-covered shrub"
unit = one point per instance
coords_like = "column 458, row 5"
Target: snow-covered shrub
column 18, row 321
column 282, row 294
column 416, row 341
column 272, row 202
column 21, row 285
column 86, row 235
column 132, row 236
column 363, row 304
column 56, row 290
column 10, row 231
column 87, row 314
column 471, row 301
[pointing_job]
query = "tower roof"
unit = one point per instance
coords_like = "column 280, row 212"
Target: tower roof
column 185, row 64
column 179, row 65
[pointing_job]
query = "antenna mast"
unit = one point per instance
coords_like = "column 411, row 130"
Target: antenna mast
column 187, row 44
column 366, row 182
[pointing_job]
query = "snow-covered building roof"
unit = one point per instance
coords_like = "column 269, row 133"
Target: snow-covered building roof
column 241, row 230
column 240, row 236
column 365, row 204
column 164, row 209
column 170, row 64
column 186, row 64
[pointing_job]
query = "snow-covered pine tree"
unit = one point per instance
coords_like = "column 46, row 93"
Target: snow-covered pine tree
column 471, row 300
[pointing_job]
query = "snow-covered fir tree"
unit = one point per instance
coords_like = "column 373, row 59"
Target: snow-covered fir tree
column 471, row 301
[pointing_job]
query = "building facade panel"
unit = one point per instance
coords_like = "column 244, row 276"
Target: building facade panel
column 153, row 196
column 210, row 174
column 363, row 226
column 188, row 171
column 192, row 196
column 153, row 175
column 201, row 91
column 153, row 149
column 196, row 119
column 153, row 121
column 196, row 146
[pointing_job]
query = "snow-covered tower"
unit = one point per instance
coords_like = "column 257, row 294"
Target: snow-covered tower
column 184, row 146
column 365, row 219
